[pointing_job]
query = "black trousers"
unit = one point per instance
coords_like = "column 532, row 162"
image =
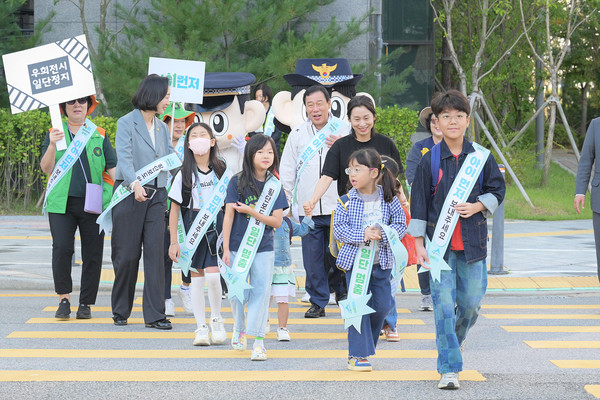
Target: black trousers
column 62, row 228
column 169, row 264
column 137, row 224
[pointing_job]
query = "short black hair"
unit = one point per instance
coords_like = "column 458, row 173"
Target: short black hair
column 314, row 89
column 151, row 91
column 266, row 91
column 450, row 100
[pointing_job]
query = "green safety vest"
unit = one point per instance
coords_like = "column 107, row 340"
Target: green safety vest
column 57, row 200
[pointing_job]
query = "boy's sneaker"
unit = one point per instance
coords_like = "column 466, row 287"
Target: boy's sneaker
column 217, row 330
column 84, row 312
column 449, row 381
column 305, row 298
column 426, row 303
column 64, row 310
column 283, row 335
column 239, row 340
column 169, row 308
column 186, row 299
column 202, row 338
column 391, row 335
column 359, row 364
column 332, row 301
column 259, row 354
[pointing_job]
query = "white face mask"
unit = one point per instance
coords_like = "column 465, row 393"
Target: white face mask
column 200, row 146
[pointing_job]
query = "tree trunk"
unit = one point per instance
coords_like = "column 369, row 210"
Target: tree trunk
column 548, row 151
column 584, row 105
column 446, row 65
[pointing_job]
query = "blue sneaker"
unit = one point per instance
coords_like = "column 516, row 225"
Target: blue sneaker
column 359, row 364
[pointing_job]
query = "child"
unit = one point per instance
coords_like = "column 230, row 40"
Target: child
column 244, row 191
column 369, row 206
column 284, row 282
column 192, row 188
column 389, row 326
column 457, row 294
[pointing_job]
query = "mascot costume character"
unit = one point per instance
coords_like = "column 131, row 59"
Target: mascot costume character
column 228, row 110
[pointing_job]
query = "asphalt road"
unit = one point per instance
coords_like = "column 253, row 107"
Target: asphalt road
column 502, row 359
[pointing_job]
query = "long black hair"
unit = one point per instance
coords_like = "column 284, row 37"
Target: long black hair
column 189, row 162
column 371, row 158
column 392, row 166
column 246, row 175
column 362, row 101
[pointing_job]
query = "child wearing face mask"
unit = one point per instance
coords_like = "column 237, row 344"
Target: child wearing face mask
column 193, row 187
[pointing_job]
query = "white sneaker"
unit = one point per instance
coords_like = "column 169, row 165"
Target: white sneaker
column 201, row 338
column 186, row 299
column 283, row 335
column 169, row 308
column 217, row 329
column 258, row 354
column 332, row 301
column 305, row 298
column 426, row 303
column 449, row 381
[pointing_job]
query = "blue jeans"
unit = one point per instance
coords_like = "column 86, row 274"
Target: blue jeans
column 257, row 298
column 463, row 287
column 392, row 318
column 363, row 344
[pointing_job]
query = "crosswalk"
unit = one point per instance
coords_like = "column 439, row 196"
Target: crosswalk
column 88, row 350
column 562, row 335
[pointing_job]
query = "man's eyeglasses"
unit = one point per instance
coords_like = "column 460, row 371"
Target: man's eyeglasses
column 82, row 101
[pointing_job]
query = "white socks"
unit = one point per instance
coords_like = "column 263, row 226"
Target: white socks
column 198, row 302
column 213, row 281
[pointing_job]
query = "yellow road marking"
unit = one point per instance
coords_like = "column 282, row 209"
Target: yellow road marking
column 542, row 316
column 576, row 363
column 201, row 353
column 331, row 309
column 176, row 321
column 555, row 233
column 558, row 329
column 560, row 344
column 594, row 390
column 27, row 295
column 541, row 306
column 231, row 376
column 184, row 335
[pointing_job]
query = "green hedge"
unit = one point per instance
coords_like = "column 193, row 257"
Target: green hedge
column 21, row 137
column 399, row 124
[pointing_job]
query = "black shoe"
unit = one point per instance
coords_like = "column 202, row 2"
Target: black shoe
column 160, row 324
column 64, row 310
column 315, row 312
column 119, row 321
column 84, row 312
column 340, row 297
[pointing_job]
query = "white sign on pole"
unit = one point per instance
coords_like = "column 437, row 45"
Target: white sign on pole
column 186, row 78
column 49, row 74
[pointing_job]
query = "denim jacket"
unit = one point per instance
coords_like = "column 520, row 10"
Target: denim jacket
column 281, row 240
column 347, row 228
column 425, row 206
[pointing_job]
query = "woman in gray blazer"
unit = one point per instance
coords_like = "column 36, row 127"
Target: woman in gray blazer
column 139, row 220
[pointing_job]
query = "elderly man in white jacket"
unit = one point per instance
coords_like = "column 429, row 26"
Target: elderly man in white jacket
column 315, row 254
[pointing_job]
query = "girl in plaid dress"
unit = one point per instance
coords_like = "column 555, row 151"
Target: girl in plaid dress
column 370, row 205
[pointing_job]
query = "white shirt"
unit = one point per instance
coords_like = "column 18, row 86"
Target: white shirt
column 206, row 182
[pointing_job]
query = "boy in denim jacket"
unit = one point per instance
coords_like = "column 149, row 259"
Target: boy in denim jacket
column 457, row 295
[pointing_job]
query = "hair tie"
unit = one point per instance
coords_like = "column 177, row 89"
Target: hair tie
column 382, row 166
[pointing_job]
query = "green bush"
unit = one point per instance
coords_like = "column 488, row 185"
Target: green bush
column 399, row 124
column 21, row 138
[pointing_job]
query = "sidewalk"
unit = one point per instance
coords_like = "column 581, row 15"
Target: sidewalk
column 556, row 255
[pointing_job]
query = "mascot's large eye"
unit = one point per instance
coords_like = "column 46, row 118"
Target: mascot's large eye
column 198, row 118
column 219, row 123
column 338, row 107
column 303, row 113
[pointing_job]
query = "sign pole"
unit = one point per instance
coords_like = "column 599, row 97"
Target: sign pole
column 56, row 119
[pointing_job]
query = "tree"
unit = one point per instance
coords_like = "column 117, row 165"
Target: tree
column 258, row 36
column 12, row 39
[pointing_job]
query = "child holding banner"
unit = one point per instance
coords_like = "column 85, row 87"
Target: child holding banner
column 370, row 226
column 468, row 184
column 193, row 188
column 254, row 207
